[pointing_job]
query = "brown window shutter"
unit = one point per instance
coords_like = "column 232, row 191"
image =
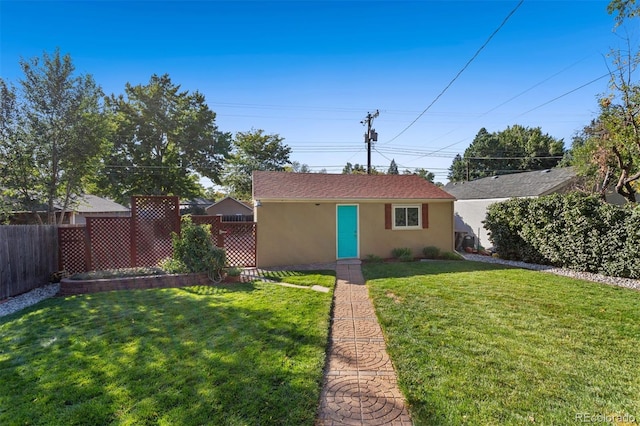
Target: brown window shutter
column 387, row 216
column 425, row 216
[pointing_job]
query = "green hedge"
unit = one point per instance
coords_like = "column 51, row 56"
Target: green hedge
column 576, row 231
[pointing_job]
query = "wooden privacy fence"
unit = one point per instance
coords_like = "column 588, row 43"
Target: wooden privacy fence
column 28, row 256
column 145, row 238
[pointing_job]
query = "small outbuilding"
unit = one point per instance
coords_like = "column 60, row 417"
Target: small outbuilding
column 231, row 210
column 317, row 217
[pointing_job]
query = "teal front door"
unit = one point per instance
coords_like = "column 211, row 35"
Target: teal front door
column 347, row 231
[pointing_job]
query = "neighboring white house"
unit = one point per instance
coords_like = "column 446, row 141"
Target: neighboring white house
column 473, row 198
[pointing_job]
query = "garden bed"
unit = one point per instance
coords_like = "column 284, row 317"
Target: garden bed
column 70, row 286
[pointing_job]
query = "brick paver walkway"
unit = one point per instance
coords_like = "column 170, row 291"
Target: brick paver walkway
column 360, row 386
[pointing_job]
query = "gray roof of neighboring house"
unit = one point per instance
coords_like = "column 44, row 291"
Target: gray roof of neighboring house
column 94, row 204
column 86, row 203
column 229, row 199
column 202, row 202
column 525, row 184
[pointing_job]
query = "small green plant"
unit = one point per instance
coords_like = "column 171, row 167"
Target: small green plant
column 233, row 272
column 431, row 252
column 403, row 254
column 447, row 255
column 173, row 266
column 372, row 258
column 118, row 273
column 193, row 251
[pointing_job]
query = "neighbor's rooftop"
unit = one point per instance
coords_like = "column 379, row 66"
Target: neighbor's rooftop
column 525, row 184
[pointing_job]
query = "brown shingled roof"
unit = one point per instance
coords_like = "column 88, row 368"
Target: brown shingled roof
column 318, row 186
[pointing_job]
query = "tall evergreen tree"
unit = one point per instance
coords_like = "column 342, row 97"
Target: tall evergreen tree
column 393, row 168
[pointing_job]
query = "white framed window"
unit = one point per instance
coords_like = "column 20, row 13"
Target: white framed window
column 407, row 216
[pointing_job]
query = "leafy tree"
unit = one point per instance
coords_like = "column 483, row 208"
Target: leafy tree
column 17, row 168
column 596, row 175
column 54, row 133
column 253, row 150
column 214, row 194
column 297, row 167
column 458, row 169
column 165, row 139
column 608, row 150
column 624, row 8
column 355, row 169
column 514, row 149
column 393, row 168
column 423, row 173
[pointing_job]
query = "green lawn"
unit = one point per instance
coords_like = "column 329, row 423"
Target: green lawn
column 482, row 344
column 303, row 278
column 242, row 354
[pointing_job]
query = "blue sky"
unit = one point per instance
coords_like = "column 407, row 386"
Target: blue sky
column 311, row 70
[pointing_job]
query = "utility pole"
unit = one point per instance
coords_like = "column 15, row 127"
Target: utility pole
column 371, row 135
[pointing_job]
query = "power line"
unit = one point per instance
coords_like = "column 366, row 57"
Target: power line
column 565, row 94
column 532, row 87
column 459, row 72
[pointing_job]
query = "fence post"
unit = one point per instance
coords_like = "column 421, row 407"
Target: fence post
column 134, row 230
column 219, row 231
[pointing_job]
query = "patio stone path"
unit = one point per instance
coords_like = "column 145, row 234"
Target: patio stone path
column 360, row 385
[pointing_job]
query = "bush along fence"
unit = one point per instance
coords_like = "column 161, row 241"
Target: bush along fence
column 28, row 255
column 575, row 231
column 145, row 239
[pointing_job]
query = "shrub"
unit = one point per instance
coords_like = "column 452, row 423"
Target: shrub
column 403, row 254
column 431, row 252
column 576, row 231
column 193, row 250
column 234, row 272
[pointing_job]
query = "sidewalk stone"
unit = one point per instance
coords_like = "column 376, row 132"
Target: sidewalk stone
column 360, row 385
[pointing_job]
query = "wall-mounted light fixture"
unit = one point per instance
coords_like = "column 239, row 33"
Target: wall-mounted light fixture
column 257, row 203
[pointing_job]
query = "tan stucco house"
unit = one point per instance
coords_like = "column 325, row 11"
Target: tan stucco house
column 229, row 206
column 317, row 217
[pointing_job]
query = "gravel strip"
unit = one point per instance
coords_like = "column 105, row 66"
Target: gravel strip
column 617, row 281
column 14, row 304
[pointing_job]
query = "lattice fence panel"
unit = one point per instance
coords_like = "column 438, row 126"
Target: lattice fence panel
column 237, row 238
column 240, row 243
column 110, row 239
column 154, row 218
column 73, row 249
